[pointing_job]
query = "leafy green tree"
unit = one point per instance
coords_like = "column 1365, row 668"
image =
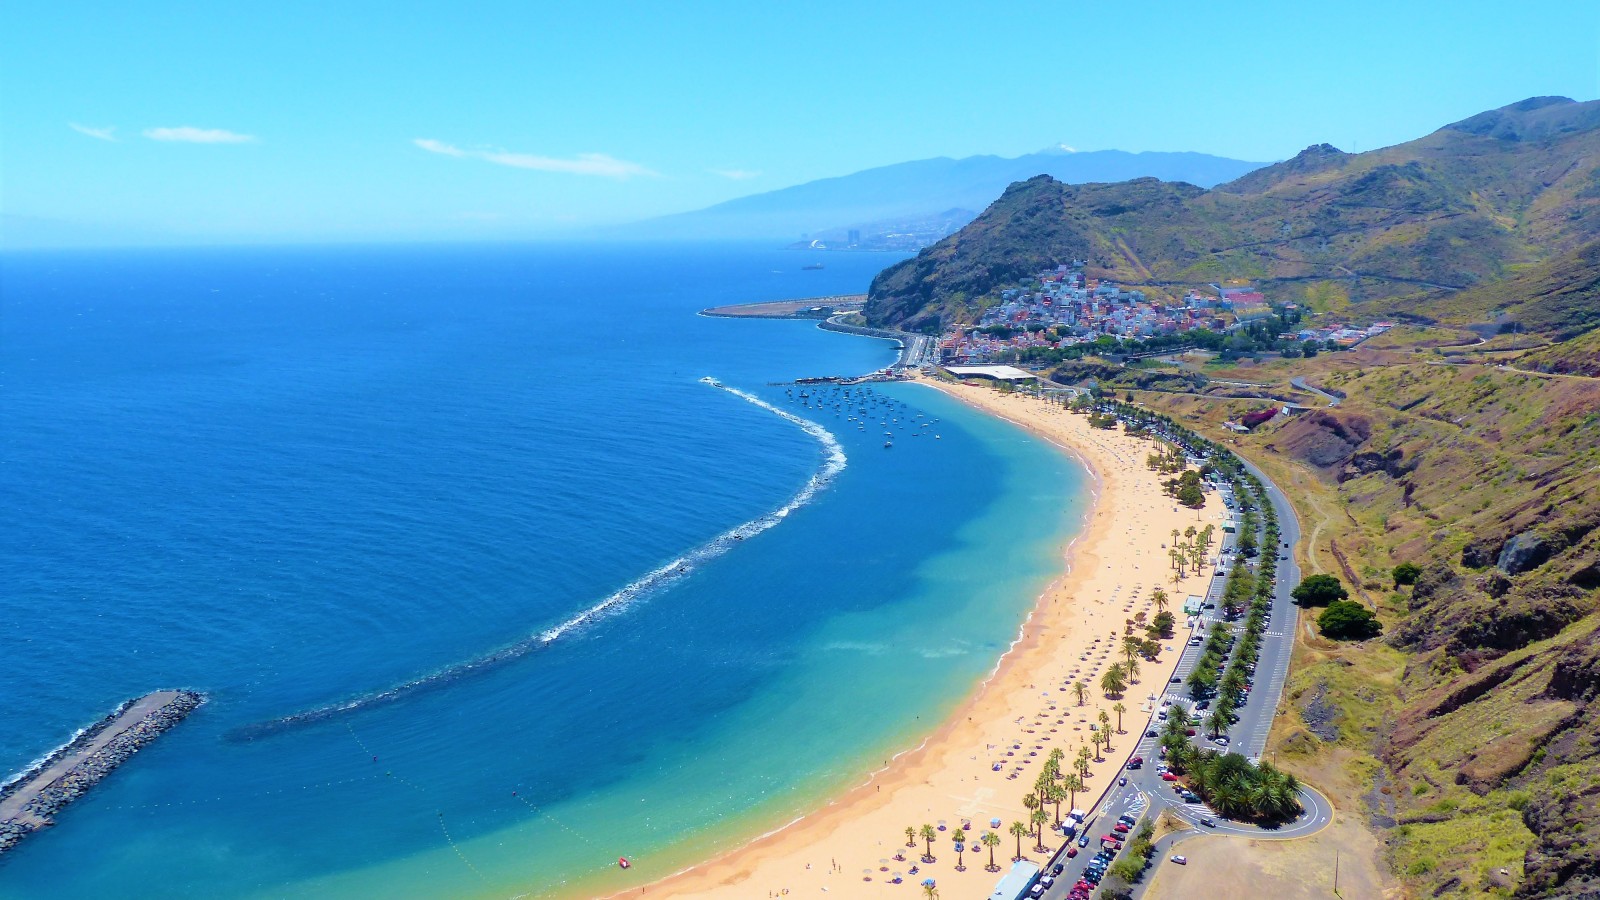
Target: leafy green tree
column 1163, row 623
column 1407, row 573
column 1128, row 869
column 1319, row 590
column 1348, row 620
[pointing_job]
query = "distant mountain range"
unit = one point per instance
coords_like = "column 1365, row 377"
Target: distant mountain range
column 891, row 198
column 1442, row 228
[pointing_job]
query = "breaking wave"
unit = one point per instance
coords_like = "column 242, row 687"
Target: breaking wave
column 834, row 461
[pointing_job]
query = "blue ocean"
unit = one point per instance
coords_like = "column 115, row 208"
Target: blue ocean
column 495, row 562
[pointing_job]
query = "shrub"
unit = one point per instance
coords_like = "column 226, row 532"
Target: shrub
column 1319, row 590
column 1347, row 620
column 1406, row 573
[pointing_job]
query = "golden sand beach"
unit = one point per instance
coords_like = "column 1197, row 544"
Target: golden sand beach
column 980, row 763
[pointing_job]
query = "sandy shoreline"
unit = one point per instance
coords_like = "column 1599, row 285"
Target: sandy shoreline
column 847, row 847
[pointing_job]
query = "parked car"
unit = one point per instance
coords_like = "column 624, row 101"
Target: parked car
column 1181, row 860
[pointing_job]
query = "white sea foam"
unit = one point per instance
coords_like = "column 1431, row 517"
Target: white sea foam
column 834, row 461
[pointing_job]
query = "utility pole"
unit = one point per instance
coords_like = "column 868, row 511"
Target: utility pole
column 1336, row 873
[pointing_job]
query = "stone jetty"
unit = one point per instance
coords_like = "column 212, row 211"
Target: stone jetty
column 29, row 802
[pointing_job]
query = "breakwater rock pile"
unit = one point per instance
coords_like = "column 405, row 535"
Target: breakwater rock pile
column 29, row 801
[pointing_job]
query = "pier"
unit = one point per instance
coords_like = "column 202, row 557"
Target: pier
column 29, row 802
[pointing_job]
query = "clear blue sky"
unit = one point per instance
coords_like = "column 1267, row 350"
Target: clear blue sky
column 400, row 120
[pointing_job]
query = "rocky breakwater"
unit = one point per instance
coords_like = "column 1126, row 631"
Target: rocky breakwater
column 29, row 801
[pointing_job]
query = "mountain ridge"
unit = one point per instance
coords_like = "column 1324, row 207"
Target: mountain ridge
column 1396, row 228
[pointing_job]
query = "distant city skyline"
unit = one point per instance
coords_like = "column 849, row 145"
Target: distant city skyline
column 161, row 123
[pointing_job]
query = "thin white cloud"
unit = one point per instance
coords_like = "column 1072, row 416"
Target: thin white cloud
column 104, row 134
column 1066, row 148
column 583, row 164
column 735, row 174
column 188, row 134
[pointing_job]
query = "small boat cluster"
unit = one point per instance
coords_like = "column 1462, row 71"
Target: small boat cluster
column 864, row 406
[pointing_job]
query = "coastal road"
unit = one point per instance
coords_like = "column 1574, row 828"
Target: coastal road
column 1146, row 795
column 1277, row 645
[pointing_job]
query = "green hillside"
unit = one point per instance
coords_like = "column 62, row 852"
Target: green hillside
column 1396, row 230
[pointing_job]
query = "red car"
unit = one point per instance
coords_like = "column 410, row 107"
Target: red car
column 1071, row 852
column 1168, row 776
column 1136, row 762
column 1120, row 828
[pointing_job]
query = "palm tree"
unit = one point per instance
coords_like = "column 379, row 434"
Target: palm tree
column 1132, row 670
column 991, row 840
column 1105, row 728
column 929, row 892
column 1080, row 690
column 1032, row 803
column 1130, row 648
column 1113, row 682
column 911, row 836
column 928, row 834
column 1017, row 831
column 1056, row 794
column 1084, row 756
column 960, row 839
column 1217, row 722
column 1073, row 785
column 1119, row 709
column 1039, row 818
column 1160, row 599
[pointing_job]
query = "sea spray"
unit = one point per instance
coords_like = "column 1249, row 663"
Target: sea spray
column 834, row 461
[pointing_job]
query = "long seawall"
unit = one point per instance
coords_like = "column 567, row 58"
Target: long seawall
column 30, row 800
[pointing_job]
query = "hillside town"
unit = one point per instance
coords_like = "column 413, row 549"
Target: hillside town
column 1063, row 307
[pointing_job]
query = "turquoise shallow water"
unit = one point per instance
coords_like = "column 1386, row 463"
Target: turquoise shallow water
column 297, row 478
